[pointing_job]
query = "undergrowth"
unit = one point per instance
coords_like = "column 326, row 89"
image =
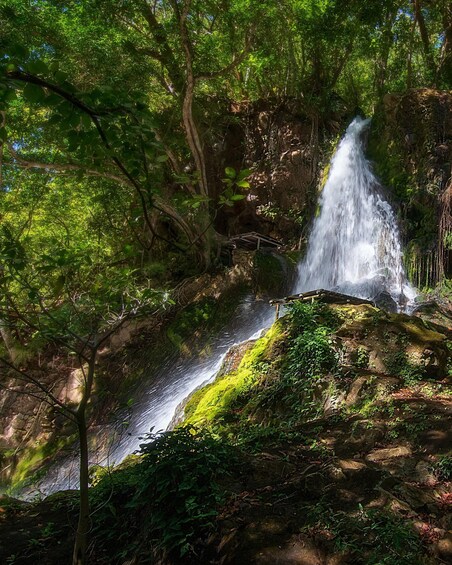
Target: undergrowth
column 372, row 536
column 167, row 501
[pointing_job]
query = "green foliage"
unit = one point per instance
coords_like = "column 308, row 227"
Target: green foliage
column 168, row 499
column 398, row 363
column 270, row 272
column 191, row 319
column 305, row 316
column 234, row 183
column 372, row 536
column 198, row 318
column 361, row 357
column 269, row 389
column 443, row 468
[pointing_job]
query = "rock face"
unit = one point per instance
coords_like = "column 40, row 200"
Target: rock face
column 346, row 486
column 347, row 464
column 31, row 433
column 411, row 144
column 285, row 148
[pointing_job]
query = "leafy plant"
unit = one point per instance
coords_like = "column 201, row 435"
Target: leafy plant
column 443, row 468
column 171, row 495
column 397, row 363
column 234, row 182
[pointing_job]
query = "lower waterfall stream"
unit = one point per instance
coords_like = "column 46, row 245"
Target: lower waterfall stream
column 354, row 248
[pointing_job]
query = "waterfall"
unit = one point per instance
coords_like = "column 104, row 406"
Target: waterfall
column 354, row 248
column 354, row 245
column 155, row 406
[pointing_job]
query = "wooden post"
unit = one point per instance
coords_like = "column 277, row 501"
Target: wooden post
column 277, row 312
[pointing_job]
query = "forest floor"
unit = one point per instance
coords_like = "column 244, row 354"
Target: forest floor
column 367, row 483
column 347, row 491
column 372, row 489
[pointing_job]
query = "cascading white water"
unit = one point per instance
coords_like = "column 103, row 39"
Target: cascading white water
column 155, row 407
column 354, row 246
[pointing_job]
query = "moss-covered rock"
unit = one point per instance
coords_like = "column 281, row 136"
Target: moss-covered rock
column 215, row 403
column 301, row 370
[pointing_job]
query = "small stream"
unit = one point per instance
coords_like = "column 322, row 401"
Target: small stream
column 155, row 408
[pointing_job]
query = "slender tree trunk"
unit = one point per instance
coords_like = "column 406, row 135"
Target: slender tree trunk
column 425, row 38
column 445, row 68
column 409, row 77
column 8, row 340
column 83, row 526
column 382, row 63
column 2, row 124
column 81, row 536
column 193, row 137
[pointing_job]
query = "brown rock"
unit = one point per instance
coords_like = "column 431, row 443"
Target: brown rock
column 444, row 548
column 389, row 453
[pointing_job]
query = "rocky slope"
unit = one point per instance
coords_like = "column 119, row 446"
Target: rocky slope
column 327, row 441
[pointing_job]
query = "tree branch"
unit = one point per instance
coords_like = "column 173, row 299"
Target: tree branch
column 236, row 61
column 158, row 203
column 28, row 378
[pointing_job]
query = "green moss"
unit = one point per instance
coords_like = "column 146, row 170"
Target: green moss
column 32, row 459
column 214, row 402
column 416, row 329
column 362, row 313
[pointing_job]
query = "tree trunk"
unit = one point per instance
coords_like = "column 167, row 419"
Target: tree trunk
column 81, row 536
column 445, row 68
column 8, row 340
column 193, row 138
column 425, row 39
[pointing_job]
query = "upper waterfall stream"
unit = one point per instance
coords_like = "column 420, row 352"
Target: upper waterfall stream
column 354, row 248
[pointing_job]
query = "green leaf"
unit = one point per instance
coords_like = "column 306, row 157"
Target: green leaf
column 236, row 197
column 230, row 172
column 33, row 93
column 243, row 174
column 85, row 121
column 37, row 67
column 243, row 184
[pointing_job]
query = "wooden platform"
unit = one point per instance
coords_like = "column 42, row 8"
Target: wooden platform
column 254, row 240
column 321, row 295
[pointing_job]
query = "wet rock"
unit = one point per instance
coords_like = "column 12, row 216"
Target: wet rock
column 385, row 301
